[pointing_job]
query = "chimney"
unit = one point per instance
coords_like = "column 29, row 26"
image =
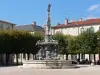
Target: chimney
column 34, row 23
column 80, row 19
column 66, row 21
column 72, row 20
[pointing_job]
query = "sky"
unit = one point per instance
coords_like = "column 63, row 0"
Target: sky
column 23, row 12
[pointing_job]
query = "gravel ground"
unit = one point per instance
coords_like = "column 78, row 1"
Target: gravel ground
column 84, row 70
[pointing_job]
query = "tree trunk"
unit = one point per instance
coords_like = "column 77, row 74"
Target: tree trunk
column 94, row 58
column 28, row 56
column 89, row 57
column 63, row 56
column 7, row 59
column 1, row 59
column 66, row 56
column 17, row 59
column 99, row 56
column 90, row 60
column 35, row 56
column 79, row 57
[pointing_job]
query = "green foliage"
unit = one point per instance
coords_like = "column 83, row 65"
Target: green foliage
column 62, row 46
column 88, row 41
column 73, row 45
column 67, row 44
column 98, row 42
column 13, row 41
column 38, row 36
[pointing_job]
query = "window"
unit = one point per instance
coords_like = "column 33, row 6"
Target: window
column 91, row 29
column 82, row 29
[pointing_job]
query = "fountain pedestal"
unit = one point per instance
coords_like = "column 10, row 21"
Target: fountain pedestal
column 48, row 64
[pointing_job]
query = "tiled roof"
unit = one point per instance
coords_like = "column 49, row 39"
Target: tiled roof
column 7, row 22
column 79, row 23
column 29, row 28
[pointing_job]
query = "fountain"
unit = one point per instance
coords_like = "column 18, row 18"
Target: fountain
column 48, row 53
column 48, row 46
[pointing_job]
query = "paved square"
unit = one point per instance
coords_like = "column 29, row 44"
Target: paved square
column 91, row 70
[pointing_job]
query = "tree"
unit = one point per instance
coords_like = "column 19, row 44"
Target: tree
column 73, row 45
column 62, row 43
column 15, row 42
column 98, row 43
column 88, row 41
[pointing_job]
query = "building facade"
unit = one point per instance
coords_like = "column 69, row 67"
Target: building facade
column 76, row 27
column 6, row 25
column 31, row 28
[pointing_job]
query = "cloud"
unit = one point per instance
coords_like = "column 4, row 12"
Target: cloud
column 90, row 17
column 93, row 12
column 93, row 7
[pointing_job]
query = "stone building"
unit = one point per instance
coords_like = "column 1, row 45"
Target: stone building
column 6, row 25
column 76, row 27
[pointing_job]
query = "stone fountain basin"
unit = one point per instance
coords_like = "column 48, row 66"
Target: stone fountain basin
column 48, row 64
column 47, row 43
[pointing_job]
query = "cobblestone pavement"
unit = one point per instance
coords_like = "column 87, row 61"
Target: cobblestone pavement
column 90, row 70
